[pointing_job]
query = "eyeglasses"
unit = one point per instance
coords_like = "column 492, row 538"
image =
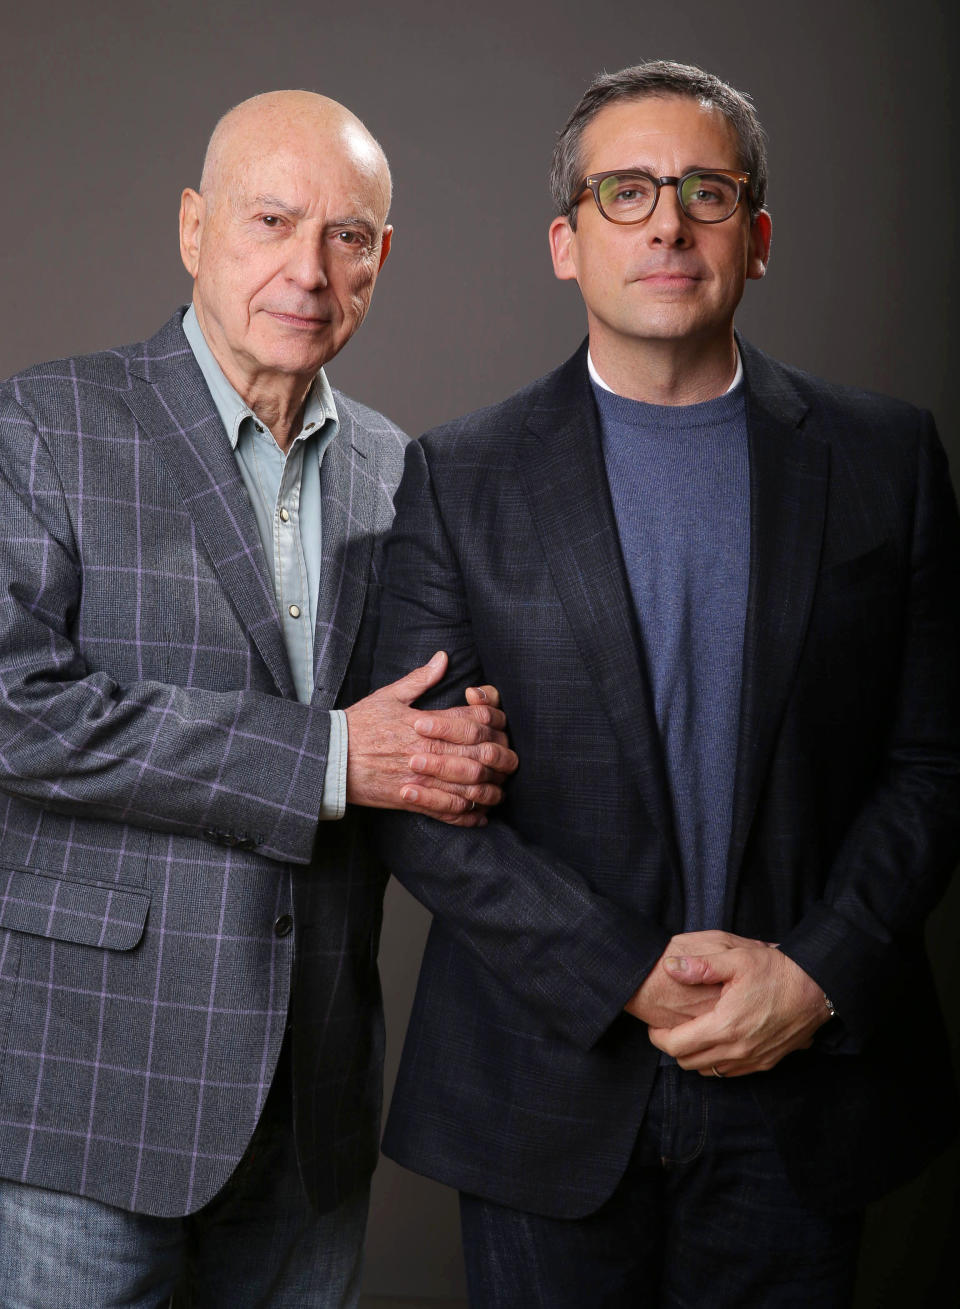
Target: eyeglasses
column 706, row 197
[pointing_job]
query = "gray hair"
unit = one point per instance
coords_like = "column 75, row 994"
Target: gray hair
column 659, row 78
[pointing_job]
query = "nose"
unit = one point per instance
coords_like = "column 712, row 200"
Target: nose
column 668, row 224
column 305, row 263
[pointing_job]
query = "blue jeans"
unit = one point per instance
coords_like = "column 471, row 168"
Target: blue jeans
column 703, row 1217
column 258, row 1243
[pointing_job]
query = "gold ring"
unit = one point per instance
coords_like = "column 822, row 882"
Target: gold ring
column 716, row 1071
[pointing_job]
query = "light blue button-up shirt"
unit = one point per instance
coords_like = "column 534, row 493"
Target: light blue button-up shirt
column 284, row 491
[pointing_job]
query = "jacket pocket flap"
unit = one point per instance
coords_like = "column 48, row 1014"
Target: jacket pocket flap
column 87, row 913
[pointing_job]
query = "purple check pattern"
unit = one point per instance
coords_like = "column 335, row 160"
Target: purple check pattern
column 159, row 789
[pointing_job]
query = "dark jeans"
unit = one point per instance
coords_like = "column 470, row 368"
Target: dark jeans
column 704, row 1218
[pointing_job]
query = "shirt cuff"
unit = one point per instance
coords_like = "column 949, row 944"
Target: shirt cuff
column 333, row 803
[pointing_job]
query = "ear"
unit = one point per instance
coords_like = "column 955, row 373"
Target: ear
column 386, row 241
column 192, row 213
column 563, row 241
column 758, row 251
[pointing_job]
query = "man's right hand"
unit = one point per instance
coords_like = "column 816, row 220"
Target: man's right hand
column 662, row 1001
column 449, row 764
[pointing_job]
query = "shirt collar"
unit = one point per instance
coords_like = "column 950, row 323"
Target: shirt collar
column 319, row 410
column 598, row 380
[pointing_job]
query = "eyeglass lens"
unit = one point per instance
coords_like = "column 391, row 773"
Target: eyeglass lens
column 707, row 197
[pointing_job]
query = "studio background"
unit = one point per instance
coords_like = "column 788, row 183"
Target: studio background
column 106, row 107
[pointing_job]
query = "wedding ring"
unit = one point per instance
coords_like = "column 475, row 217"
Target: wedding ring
column 716, row 1071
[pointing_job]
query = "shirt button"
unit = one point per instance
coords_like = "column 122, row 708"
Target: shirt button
column 294, row 611
column 259, row 426
column 283, row 926
column 284, row 516
column 308, row 427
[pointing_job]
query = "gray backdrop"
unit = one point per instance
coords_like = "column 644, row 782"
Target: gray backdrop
column 105, row 110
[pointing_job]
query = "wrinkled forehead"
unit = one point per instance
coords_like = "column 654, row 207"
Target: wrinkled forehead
column 303, row 164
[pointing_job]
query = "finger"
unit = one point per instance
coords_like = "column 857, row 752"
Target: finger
column 467, row 769
column 437, row 802
column 708, row 1033
column 488, row 757
column 696, row 1059
column 700, row 969
column 469, row 818
column 418, row 680
column 723, row 1050
column 483, row 695
column 710, row 940
column 476, row 818
column 690, row 970
column 727, row 1070
column 483, row 793
column 463, row 725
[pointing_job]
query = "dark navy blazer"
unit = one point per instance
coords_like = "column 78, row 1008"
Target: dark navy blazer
column 521, row 1079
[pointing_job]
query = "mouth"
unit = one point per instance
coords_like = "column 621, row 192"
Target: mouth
column 303, row 322
column 669, row 280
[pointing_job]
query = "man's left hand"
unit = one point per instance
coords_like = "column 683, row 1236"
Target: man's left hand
column 451, row 739
column 448, row 764
column 768, row 1007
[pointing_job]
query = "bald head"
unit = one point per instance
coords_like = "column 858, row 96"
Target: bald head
column 284, row 241
column 301, row 121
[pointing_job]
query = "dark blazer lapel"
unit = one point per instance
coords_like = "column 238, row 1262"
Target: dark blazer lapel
column 562, row 469
column 170, row 401
column 348, row 482
column 789, row 470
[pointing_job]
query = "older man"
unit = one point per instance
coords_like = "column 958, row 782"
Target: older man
column 719, row 598
column 190, row 559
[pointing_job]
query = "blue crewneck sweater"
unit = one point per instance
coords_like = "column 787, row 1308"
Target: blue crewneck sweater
column 680, row 482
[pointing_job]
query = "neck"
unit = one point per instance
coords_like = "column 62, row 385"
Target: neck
column 667, row 372
column 279, row 410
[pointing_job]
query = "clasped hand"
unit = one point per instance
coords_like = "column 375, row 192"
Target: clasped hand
column 449, row 764
column 719, row 1001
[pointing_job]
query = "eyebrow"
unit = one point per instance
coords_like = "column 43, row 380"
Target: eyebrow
column 352, row 220
column 296, row 211
column 691, row 168
column 274, row 202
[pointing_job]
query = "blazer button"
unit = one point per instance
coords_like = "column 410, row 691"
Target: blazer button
column 283, row 926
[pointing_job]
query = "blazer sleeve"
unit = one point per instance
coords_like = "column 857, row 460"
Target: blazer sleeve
column 179, row 759
column 563, row 950
column 894, row 863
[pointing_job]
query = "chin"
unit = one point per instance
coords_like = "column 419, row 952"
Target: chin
column 290, row 357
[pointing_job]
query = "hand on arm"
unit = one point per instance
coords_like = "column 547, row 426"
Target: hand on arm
column 768, row 1007
column 449, row 764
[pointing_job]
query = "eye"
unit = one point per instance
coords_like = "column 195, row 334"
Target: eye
column 351, row 240
column 270, row 220
column 626, row 192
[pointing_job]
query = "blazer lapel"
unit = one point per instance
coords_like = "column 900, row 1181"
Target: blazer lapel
column 348, row 487
column 562, row 469
column 789, row 471
column 170, row 401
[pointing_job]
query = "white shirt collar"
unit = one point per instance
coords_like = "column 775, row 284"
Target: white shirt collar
column 598, row 380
